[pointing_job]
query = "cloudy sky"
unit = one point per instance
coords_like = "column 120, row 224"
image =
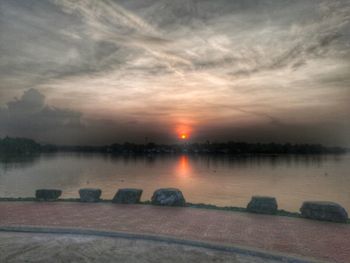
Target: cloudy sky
column 96, row 72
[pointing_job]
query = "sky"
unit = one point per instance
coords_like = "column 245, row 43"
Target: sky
column 98, row 72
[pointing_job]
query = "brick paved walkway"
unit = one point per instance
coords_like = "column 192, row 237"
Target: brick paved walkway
column 320, row 240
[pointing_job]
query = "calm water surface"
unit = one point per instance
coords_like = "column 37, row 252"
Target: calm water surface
column 223, row 180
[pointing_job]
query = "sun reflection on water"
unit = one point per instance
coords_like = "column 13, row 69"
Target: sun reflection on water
column 183, row 166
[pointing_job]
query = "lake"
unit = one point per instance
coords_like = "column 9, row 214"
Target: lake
column 219, row 180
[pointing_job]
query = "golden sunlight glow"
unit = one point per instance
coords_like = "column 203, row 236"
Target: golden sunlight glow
column 183, row 131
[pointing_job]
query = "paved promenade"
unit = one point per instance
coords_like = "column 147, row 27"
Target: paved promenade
column 318, row 240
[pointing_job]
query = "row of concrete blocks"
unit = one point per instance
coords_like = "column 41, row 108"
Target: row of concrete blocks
column 325, row 211
column 163, row 196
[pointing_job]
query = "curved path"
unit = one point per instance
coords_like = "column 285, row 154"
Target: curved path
column 294, row 236
column 78, row 248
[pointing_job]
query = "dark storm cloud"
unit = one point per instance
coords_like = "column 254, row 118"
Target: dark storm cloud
column 30, row 116
column 129, row 69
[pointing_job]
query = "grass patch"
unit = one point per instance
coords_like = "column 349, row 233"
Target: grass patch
column 239, row 209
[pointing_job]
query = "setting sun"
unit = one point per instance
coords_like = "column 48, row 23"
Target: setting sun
column 183, row 131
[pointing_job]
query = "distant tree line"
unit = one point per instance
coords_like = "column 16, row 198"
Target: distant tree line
column 28, row 146
column 19, row 146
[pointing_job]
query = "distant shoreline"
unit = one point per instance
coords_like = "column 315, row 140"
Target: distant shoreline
column 25, row 146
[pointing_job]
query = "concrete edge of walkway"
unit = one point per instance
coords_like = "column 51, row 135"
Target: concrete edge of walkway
column 234, row 209
column 247, row 251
